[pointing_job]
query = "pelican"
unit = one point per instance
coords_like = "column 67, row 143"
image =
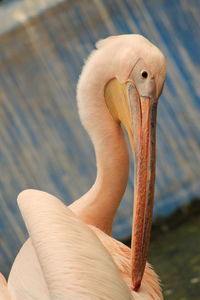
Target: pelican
column 71, row 253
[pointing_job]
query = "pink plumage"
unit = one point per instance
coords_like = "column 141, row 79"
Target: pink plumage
column 70, row 253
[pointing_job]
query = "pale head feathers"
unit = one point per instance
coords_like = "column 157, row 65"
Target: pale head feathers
column 114, row 57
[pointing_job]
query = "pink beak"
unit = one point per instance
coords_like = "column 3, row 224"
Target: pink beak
column 143, row 114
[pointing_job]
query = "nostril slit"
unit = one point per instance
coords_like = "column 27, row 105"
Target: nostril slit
column 144, row 74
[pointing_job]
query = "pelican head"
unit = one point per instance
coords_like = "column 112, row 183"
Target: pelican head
column 121, row 84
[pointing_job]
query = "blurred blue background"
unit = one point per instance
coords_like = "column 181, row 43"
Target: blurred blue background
column 43, row 145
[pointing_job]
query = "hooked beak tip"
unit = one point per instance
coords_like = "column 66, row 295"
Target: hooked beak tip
column 136, row 286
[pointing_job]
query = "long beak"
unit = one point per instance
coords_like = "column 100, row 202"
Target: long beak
column 138, row 115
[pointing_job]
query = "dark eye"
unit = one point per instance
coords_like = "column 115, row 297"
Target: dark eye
column 144, row 74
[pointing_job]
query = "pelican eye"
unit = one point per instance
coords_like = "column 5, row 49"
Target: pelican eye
column 144, row 74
